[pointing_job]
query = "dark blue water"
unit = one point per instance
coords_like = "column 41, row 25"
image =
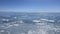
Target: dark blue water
column 29, row 23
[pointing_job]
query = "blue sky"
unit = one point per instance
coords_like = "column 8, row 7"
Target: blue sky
column 30, row 5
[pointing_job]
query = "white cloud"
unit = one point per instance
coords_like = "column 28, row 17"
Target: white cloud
column 22, row 33
column 21, row 21
column 2, row 31
column 44, row 28
column 16, row 24
column 38, row 28
column 5, row 19
column 43, row 20
column 36, row 21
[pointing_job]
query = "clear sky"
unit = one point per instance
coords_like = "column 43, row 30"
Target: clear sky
column 30, row 5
